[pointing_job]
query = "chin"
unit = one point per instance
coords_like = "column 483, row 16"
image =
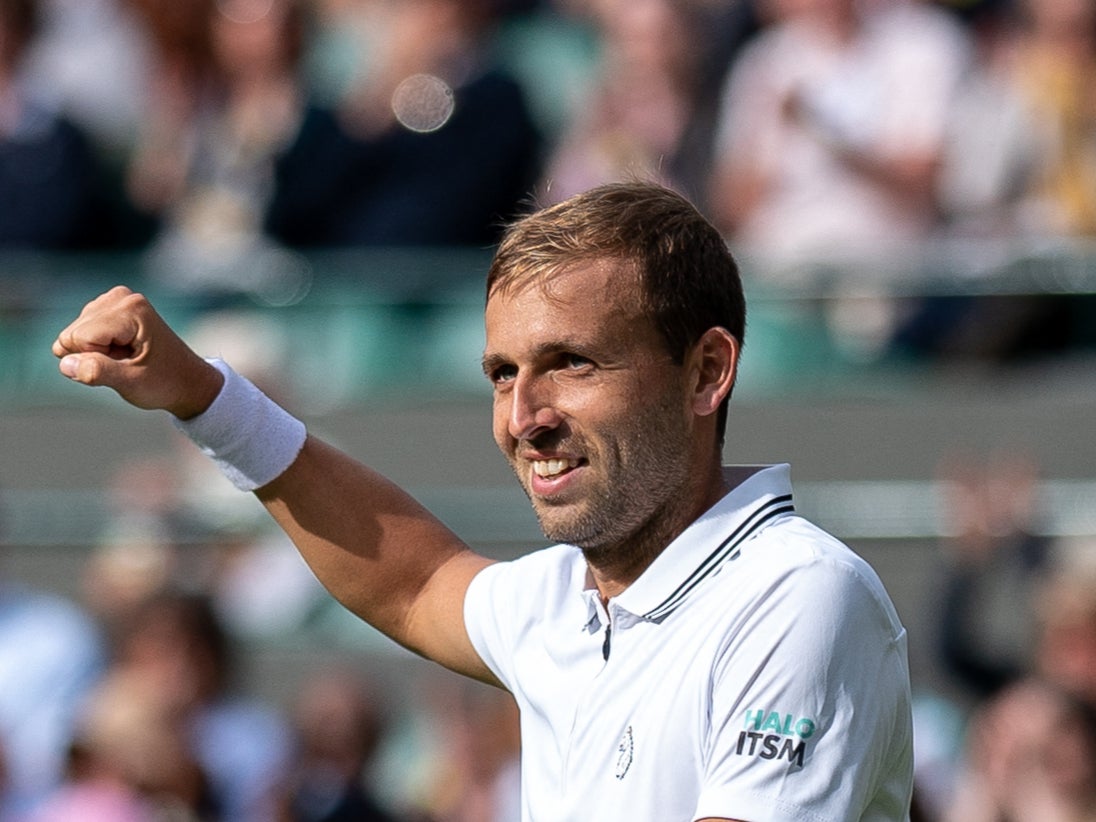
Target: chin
column 560, row 529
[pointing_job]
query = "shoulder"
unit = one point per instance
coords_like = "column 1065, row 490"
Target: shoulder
column 553, row 573
column 917, row 29
column 509, row 602
column 531, row 593
column 770, row 65
column 778, row 39
column 803, row 616
column 811, row 572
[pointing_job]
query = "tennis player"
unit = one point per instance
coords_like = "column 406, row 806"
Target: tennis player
column 692, row 649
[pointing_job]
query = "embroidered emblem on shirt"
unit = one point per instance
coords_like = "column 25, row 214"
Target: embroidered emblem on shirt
column 773, row 735
column 624, row 753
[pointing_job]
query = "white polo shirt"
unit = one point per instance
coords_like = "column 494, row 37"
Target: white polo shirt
column 757, row 670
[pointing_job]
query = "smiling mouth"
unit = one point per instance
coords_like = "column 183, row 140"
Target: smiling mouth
column 546, row 469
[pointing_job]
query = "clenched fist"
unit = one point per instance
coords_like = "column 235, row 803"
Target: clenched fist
column 120, row 341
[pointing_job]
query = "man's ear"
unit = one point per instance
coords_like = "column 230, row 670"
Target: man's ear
column 714, row 366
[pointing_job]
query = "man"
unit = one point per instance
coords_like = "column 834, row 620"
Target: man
column 692, row 649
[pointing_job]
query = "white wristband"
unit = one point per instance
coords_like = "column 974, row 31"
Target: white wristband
column 250, row 437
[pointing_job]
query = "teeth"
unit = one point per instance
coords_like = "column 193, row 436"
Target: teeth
column 549, row 468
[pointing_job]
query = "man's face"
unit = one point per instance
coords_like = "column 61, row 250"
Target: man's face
column 590, row 410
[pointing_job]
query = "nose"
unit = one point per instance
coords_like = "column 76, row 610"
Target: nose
column 531, row 408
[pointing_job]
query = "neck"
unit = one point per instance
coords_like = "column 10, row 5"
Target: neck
column 616, row 566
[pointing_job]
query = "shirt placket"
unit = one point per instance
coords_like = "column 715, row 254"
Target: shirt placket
column 590, row 707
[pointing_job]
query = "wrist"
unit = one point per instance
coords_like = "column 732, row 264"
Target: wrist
column 206, row 386
column 250, row 438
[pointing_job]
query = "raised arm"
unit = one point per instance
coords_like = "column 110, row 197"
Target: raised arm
column 378, row 551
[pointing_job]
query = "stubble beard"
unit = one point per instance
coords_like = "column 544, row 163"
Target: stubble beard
column 636, row 507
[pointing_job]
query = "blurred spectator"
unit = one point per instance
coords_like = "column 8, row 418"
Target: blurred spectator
column 993, row 146
column 51, row 656
column 136, row 557
column 231, row 103
column 176, row 88
column 442, row 144
column 638, row 119
column 832, row 130
column 90, row 58
column 177, row 647
column 1066, row 612
column 996, row 562
column 338, row 726
column 129, row 762
column 1031, row 755
column 830, row 146
column 50, row 182
column 1002, row 144
column 477, row 778
column 1055, row 64
column 1017, row 607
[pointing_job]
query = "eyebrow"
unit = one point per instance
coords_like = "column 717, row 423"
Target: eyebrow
column 492, row 361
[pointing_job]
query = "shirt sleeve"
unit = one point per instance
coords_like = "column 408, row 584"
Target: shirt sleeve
column 486, row 618
column 810, row 703
column 510, row 608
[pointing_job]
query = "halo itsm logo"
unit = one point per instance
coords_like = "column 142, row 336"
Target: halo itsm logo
column 775, row 735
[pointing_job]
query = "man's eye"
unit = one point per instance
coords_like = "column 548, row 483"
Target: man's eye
column 575, row 361
column 502, row 373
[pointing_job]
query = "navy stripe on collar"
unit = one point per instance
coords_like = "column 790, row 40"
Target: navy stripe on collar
column 727, row 550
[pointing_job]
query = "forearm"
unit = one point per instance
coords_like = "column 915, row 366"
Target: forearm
column 909, row 175
column 379, row 552
column 358, row 531
column 911, row 179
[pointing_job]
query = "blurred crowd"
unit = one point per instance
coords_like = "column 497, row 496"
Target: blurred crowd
column 888, row 138
column 1010, row 733
column 138, row 697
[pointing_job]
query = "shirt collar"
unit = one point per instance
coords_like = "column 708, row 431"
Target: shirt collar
column 758, row 494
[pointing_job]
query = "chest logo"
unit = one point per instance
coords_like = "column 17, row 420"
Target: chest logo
column 624, row 753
